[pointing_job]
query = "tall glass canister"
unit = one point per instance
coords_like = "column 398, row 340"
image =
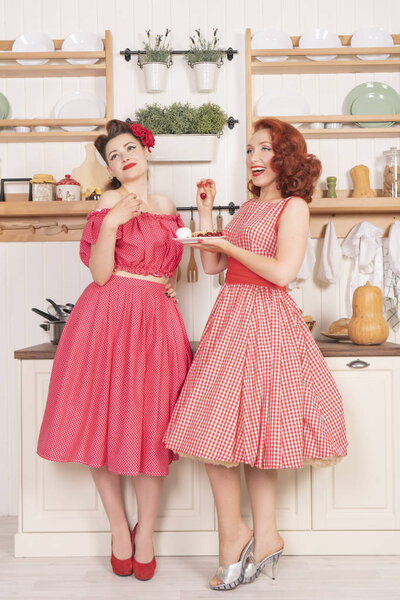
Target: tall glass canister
column 391, row 174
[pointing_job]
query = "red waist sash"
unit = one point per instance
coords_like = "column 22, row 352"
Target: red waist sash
column 238, row 273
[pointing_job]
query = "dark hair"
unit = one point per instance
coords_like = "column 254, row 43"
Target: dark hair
column 297, row 170
column 114, row 128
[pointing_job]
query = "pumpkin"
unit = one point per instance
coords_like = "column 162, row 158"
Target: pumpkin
column 367, row 325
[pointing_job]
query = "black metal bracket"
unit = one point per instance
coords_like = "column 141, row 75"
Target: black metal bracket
column 14, row 179
column 231, row 208
column 231, row 122
column 127, row 53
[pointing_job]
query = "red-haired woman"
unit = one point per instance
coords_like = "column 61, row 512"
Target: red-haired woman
column 124, row 352
column 259, row 391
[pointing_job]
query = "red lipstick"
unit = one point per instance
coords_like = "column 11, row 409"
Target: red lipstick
column 128, row 166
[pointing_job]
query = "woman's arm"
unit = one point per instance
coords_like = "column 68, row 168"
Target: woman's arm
column 291, row 247
column 101, row 261
column 212, row 263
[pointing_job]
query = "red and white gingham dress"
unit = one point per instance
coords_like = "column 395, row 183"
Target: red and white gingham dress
column 122, row 358
column 259, row 390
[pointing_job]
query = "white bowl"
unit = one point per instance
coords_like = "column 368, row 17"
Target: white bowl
column 333, row 125
column 22, row 129
column 82, row 41
column 33, row 42
column 41, row 128
column 371, row 37
column 316, row 125
column 320, row 38
column 271, row 39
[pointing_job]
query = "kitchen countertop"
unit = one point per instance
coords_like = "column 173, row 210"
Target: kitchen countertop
column 47, row 351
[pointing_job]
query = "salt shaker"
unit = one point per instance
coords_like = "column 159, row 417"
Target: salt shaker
column 331, row 181
column 391, row 174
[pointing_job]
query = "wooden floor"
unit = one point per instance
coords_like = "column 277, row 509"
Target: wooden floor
column 299, row 578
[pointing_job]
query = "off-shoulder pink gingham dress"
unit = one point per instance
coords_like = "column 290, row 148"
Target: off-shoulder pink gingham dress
column 122, row 358
column 259, row 390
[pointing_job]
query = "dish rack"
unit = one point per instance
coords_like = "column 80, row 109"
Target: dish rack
column 57, row 67
column 346, row 62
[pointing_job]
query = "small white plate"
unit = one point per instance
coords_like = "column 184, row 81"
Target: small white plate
column 320, row 38
column 271, row 39
column 194, row 240
column 79, row 105
column 282, row 103
column 336, row 336
column 33, row 42
column 374, row 37
column 82, row 41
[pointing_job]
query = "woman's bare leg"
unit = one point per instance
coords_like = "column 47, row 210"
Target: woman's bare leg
column 262, row 486
column 109, row 487
column 148, row 493
column 233, row 532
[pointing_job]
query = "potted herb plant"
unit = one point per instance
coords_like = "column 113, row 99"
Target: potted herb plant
column 183, row 133
column 205, row 58
column 155, row 61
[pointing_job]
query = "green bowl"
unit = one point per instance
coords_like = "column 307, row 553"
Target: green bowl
column 4, row 107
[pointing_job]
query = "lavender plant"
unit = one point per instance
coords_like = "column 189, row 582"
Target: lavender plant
column 203, row 50
column 157, row 49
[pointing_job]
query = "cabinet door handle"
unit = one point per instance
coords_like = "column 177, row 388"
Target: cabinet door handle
column 358, row 364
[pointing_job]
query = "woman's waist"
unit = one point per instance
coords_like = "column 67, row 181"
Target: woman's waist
column 163, row 279
column 237, row 273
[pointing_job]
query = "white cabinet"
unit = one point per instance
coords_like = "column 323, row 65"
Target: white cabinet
column 362, row 492
column 352, row 508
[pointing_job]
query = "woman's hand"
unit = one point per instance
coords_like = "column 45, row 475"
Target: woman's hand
column 214, row 245
column 205, row 196
column 170, row 292
column 129, row 206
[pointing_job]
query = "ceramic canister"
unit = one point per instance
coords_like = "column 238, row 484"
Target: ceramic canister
column 68, row 189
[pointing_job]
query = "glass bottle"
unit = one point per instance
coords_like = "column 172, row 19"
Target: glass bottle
column 391, row 173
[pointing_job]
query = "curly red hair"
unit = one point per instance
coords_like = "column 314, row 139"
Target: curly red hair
column 297, row 170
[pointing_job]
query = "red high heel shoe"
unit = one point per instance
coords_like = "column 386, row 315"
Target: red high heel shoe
column 123, row 567
column 142, row 571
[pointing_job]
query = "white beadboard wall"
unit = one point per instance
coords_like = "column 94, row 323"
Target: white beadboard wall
column 32, row 271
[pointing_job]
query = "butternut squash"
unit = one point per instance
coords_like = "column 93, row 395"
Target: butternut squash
column 367, row 325
column 360, row 177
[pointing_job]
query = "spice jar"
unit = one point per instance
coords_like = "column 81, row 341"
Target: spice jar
column 68, row 190
column 391, row 174
column 43, row 187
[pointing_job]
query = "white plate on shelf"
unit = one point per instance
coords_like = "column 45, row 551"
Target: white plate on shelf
column 82, row 41
column 79, row 105
column 320, row 38
column 339, row 337
column 271, row 39
column 282, row 103
column 33, row 42
column 371, row 37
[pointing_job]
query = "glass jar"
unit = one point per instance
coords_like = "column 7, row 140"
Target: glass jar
column 391, row 174
column 43, row 188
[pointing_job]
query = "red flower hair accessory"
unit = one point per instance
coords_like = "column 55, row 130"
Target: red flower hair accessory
column 143, row 134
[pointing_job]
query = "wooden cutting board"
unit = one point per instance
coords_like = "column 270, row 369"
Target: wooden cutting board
column 91, row 173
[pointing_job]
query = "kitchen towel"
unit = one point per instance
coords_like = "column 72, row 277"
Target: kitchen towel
column 364, row 245
column 331, row 256
column 391, row 270
column 307, row 266
column 394, row 247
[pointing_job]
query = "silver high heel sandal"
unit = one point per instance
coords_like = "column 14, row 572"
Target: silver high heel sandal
column 232, row 575
column 253, row 569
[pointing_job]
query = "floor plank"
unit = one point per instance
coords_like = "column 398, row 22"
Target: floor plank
column 299, row 578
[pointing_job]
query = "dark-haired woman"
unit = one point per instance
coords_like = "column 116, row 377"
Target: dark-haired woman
column 259, row 391
column 124, row 352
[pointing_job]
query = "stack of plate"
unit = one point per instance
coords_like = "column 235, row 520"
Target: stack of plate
column 4, row 107
column 373, row 98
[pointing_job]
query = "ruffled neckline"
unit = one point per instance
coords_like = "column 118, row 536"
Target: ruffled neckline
column 153, row 215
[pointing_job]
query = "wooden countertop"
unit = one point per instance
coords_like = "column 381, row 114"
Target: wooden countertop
column 47, row 351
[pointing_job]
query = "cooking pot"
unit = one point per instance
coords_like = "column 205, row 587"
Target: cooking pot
column 55, row 328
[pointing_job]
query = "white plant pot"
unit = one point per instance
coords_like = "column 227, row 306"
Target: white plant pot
column 206, row 76
column 184, row 148
column 155, row 76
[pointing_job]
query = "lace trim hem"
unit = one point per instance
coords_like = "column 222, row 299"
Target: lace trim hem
column 328, row 461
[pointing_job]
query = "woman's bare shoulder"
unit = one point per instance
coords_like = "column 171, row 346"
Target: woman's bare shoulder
column 163, row 204
column 108, row 199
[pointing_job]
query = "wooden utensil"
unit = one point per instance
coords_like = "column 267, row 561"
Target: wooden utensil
column 178, row 273
column 31, row 226
column 91, row 173
column 192, row 271
column 220, row 228
column 72, row 226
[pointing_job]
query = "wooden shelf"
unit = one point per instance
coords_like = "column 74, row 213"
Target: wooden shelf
column 348, row 206
column 57, row 67
column 46, row 209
